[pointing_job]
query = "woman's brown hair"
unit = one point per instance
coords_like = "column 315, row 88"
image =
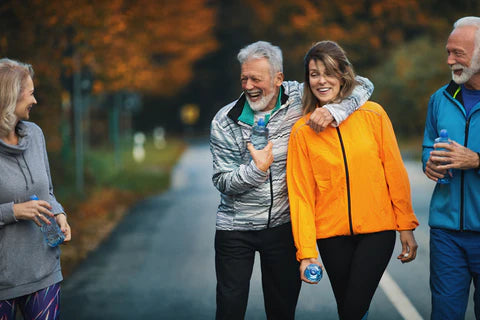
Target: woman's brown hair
column 336, row 62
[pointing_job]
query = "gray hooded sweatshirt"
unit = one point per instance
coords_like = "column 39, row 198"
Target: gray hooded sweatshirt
column 27, row 263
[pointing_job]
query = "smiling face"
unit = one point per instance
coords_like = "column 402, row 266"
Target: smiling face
column 26, row 100
column 325, row 86
column 261, row 90
column 461, row 58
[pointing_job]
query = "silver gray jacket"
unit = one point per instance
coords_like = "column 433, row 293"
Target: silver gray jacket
column 250, row 198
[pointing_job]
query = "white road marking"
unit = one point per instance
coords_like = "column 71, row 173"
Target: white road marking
column 398, row 298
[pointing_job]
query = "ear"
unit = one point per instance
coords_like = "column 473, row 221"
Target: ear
column 278, row 79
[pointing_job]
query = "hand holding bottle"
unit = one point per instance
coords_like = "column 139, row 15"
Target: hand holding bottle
column 443, row 138
column 455, row 156
column 262, row 158
column 50, row 229
column 306, row 273
column 35, row 210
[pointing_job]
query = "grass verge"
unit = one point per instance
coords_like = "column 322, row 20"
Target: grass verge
column 112, row 184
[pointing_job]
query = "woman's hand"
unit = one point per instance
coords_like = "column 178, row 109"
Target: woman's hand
column 304, row 264
column 64, row 226
column 409, row 246
column 35, row 210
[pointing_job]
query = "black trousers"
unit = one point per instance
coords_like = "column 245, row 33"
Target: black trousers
column 234, row 259
column 355, row 265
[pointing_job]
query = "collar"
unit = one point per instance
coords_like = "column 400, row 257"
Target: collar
column 454, row 89
column 241, row 111
column 23, row 141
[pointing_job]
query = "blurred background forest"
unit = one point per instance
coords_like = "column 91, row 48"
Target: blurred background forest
column 141, row 61
column 106, row 69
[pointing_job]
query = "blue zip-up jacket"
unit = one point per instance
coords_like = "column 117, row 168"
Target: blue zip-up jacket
column 454, row 206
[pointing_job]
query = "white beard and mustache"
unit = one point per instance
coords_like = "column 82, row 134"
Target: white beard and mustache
column 261, row 104
column 467, row 72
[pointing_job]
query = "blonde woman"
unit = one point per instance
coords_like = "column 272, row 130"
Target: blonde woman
column 30, row 271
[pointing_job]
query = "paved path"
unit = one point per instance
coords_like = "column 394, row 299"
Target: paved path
column 159, row 262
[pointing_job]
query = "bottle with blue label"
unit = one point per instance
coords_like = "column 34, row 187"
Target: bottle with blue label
column 259, row 136
column 52, row 232
column 313, row 272
column 443, row 138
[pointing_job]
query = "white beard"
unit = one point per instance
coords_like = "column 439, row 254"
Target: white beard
column 467, row 72
column 261, row 104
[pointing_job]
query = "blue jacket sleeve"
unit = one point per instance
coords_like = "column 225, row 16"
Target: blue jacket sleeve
column 430, row 132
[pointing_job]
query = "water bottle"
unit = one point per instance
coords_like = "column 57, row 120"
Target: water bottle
column 52, row 233
column 259, row 136
column 444, row 139
column 313, row 272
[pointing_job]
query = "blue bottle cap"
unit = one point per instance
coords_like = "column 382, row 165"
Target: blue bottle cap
column 444, row 133
column 261, row 122
column 33, row 197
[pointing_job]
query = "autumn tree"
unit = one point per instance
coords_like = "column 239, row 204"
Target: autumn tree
column 145, row 46
column 383, row 39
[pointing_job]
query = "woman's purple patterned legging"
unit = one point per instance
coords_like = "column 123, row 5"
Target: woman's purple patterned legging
column 40, row 305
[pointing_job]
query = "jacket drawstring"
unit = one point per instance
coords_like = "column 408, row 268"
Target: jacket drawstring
column 23, row 173
column 28, row 168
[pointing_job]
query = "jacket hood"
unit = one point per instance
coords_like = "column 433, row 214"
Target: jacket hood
column 23, row 141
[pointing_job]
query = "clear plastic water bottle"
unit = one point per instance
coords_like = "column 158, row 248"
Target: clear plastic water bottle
column 444, row 139
column 313, row 272
column 259, row 136
column 52, row 233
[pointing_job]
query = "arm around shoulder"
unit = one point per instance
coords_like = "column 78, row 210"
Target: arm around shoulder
column 361, row 93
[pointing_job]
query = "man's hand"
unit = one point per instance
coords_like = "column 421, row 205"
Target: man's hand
column 262, row 158
column 320, row 119
column 432, row 170
column 455, row 156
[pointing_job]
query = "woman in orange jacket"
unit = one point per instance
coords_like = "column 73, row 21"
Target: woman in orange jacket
column 348, row 188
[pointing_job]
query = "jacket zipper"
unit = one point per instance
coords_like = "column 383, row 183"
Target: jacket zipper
column 271, row 201
column 462, row 180
column 462, row 172
column 347, row 179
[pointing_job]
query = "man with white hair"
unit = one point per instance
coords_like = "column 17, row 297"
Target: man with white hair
column 254, row 215
column 455, row 207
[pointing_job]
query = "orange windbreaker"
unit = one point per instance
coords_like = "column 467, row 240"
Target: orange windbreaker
column 347, row 180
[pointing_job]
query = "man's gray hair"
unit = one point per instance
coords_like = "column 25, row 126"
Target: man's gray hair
column 475, row 22
column 263, row 49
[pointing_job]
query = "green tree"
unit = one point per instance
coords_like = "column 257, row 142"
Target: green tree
column 405, row 81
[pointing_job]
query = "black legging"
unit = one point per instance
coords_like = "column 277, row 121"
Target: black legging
column 355, row 265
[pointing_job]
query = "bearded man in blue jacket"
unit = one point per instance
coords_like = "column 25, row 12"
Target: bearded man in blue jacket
column 455, row 207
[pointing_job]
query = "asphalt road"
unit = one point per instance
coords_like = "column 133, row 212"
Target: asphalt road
column 159, row 262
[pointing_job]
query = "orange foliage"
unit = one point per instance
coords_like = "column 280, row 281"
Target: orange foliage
column 363, row 27
column 141, row 45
